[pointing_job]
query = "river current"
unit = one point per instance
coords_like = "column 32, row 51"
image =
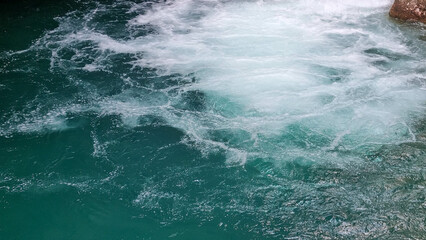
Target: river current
column 212, row 119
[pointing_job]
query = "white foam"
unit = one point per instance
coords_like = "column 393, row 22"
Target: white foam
column 263, row 56
column 275, row 70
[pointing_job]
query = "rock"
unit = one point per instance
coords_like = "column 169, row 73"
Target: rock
column 412, row 10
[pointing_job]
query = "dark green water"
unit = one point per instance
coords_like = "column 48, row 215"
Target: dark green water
column 211, row 120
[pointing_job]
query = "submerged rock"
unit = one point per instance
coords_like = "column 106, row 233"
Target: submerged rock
column 413, row 10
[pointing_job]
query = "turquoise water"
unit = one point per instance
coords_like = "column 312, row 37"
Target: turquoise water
column 211, row 119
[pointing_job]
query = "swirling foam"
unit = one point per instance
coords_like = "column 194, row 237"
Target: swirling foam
column 278, row 79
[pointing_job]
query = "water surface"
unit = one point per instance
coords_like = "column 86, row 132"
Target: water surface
column 211, row 119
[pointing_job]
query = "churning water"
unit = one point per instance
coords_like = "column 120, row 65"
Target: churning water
column 216, row 119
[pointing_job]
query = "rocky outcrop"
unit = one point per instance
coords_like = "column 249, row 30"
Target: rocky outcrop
column 412, row 10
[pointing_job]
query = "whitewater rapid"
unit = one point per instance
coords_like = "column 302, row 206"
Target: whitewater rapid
column 257, row 79
column 213, row 119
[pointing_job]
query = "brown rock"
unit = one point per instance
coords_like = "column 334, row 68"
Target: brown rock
column 412, row 10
